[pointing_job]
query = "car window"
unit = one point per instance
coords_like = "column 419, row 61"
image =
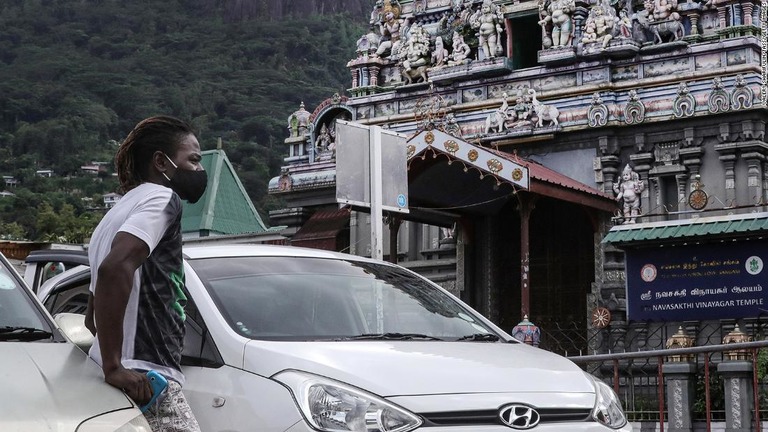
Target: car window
column 291, row 298
column 16, row 305
column 45, row 270
column 199, row 347
column 71, row 296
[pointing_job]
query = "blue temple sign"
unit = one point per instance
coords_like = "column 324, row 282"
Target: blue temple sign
column 698, row 282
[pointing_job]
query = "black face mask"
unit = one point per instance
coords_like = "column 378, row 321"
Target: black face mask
column 188, row 184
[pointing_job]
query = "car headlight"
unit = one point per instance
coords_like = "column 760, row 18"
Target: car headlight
column 118, row 421
column 608, row 409
column 333, row 406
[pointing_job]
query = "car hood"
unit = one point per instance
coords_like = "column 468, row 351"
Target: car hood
column 51, row 387
column 419, row 368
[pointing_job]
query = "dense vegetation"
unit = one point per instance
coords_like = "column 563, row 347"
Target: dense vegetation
column 76, row 75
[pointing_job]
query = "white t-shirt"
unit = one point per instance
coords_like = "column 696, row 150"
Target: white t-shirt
column 153, row 327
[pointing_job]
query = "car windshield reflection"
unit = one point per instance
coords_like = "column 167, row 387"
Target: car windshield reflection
column 291, row 298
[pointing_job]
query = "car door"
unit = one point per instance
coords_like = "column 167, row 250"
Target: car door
column 67, row 293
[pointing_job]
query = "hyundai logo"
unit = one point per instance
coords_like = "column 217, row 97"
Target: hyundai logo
column 519, row 416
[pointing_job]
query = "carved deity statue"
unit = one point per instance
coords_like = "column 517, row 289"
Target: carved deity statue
column 325, row 144
column 389, row 27
column 599, row 26
column 623, row 25
column 416, row 49
column 487, row 21
column 665, row 9
column 440, row 54
column 660, row 19
column 628, row 191
column 556, row 22
column 522, row 106
column 460, row 53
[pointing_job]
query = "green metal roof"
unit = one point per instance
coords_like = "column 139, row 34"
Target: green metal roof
column 688, row 229
column 225, row 208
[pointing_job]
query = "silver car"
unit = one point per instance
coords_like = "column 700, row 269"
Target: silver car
column 46, row 382
column 285, row 339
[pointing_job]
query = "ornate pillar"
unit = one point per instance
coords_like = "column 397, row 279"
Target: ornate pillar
column 579, row 16
column 610, row 165
column 355, row 74
column 694, row 17
column 680, row 378
column 729, row 162
column 653, row 183
column 736, row 371
column 692, row 159
column 737, row 380
column 746, row 8
column 643, row 166
column 764, row 199
column 374, row 75
column 755, row 176
column 527, row 204
column 728, row 159
column 682, row 181
column 722, row 14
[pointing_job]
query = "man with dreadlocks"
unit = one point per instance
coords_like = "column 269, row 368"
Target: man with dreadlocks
column 136, row 307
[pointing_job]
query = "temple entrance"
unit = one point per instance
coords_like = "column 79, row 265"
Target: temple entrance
column 533, row 211
column 561, row 271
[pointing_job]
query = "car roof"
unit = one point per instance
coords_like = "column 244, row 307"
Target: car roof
column 223, row 251
column 218, row 250
column 45, row 255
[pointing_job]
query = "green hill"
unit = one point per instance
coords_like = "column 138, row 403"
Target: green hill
column 76, row 75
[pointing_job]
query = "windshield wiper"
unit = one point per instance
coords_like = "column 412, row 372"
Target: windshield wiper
column 484, row 337
column 391, row 336
column 23, row 333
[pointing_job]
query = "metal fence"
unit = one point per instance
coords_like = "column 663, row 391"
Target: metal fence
column 638, row 379
column 630, row 356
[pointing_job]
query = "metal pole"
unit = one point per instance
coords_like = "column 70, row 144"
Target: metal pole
column 661, row 395
column 377, row 214
column 755, row 389
column 706, row 392
column 394, row 228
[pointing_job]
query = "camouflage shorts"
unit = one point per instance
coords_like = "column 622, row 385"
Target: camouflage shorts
column 172, row 413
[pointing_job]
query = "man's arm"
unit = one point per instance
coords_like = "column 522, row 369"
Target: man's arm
column 111, row 293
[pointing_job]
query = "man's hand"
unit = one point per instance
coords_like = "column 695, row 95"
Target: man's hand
column 134, row 384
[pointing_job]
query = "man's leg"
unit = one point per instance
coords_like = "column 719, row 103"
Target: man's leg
column 172, row 414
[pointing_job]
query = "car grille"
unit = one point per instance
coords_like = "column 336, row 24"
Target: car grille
column 491, row 417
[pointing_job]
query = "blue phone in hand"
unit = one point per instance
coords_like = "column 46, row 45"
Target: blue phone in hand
column 158, row 384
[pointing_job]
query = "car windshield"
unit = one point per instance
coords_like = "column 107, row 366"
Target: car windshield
column 19, row 319
column 292, row 298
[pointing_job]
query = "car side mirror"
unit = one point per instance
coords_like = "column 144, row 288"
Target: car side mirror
column 73, row 326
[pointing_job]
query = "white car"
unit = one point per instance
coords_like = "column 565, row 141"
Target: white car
column 46, row 383
column 292, row 339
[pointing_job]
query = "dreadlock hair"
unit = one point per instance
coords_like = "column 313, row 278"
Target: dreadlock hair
column 133, row 158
